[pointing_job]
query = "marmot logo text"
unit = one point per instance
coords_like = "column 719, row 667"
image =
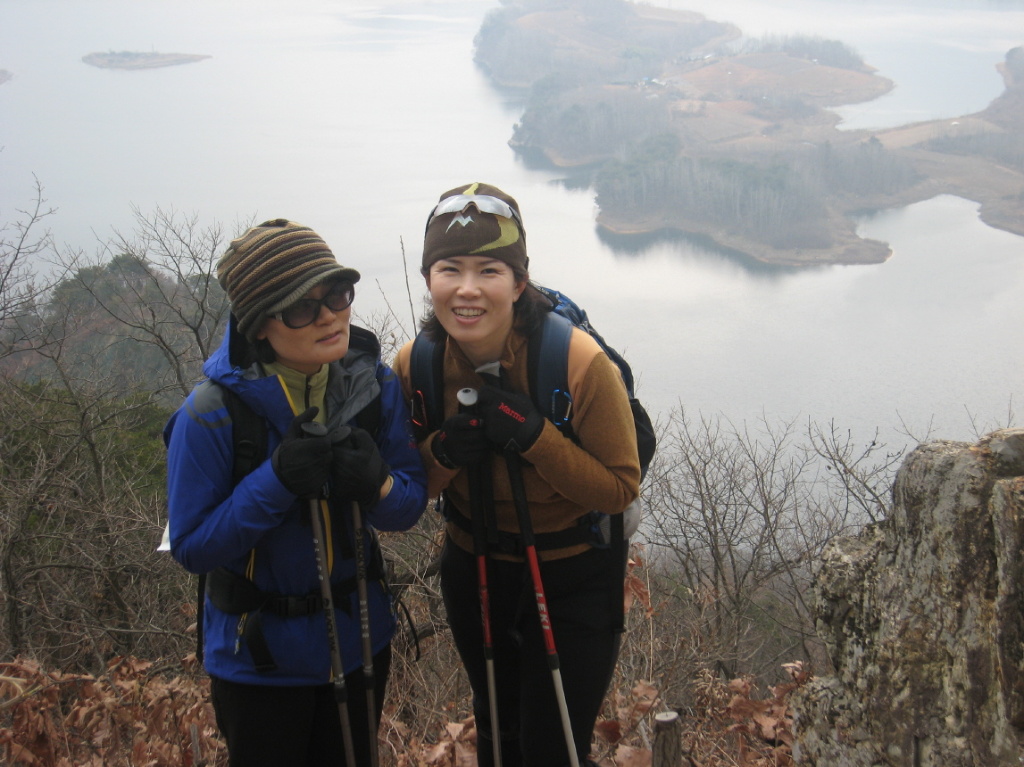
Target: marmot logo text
column 510, row 412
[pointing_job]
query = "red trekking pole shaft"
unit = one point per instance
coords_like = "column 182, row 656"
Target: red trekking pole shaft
column 467, row 403
column 491, row 372
column 526, row 530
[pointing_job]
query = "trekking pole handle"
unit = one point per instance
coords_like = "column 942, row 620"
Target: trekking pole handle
column 314, row 429
column 467, row 399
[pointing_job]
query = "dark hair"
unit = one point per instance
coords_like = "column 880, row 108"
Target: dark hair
column 265, row 353
column 528, row 312
column 242, row 352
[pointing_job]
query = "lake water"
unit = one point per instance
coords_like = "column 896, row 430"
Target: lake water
column 353, row 117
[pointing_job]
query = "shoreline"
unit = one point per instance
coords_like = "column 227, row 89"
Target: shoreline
column 849, row 250
column 996, row 189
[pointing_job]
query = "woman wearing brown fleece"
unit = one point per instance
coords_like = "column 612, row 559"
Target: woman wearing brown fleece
column 484, row 309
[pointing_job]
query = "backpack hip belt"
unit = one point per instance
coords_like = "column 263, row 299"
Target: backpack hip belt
column 237, row 595
column 591, row 529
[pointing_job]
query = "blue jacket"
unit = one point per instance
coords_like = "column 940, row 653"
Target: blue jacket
column 260, row 529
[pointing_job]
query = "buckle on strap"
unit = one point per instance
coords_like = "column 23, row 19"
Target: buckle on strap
column 297, row 607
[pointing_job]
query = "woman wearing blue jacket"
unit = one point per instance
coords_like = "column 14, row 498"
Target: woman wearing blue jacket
column 290, row 356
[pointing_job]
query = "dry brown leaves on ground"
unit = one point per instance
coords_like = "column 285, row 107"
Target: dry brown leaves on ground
column 131, row 715
column 766, row 723
column 456, row 747
column 140, row 715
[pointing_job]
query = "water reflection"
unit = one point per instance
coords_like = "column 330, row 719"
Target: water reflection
column 931, row 337
column 690, row 245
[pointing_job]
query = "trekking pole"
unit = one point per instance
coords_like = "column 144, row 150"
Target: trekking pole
column 467, row 402
column 364, row 625
column 324, row 575
column 491, row 373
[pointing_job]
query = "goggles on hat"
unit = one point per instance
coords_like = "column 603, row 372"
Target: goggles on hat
column 305, row 311
column 484, row 203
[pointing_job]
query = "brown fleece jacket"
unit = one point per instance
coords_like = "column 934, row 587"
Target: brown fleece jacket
column 563, row 480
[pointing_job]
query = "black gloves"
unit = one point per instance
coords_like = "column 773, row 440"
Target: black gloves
column 306, row 462
column 503, row 421
column 357, row 469
column 460, row 441
column 303, row 461
column 511, row 422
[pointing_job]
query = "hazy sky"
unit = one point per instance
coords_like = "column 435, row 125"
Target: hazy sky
column 353, row 118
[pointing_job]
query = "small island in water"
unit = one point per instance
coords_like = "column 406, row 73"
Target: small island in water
column 136, row 60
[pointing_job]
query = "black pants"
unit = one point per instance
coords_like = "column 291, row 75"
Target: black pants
column 584, row 595
column 267, row 726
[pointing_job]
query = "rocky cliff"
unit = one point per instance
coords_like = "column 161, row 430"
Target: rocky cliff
column 922, row 616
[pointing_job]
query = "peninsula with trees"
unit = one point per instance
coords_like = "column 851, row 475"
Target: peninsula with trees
column 137, row 60
column 680, row 128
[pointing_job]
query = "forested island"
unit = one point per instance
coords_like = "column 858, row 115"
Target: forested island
column 135, row 60
column 5, row 76
column 679, row 129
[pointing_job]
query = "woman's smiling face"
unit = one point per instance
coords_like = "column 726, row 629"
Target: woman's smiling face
column 473, row 297
column 305, row 349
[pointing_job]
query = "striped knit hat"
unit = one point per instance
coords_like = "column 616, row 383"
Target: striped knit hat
column 472, row 230
column 273, row 265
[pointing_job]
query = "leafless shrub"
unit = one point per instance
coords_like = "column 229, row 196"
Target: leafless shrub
column 739, row 515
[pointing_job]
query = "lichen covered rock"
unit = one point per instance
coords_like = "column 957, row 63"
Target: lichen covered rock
column 923, row 618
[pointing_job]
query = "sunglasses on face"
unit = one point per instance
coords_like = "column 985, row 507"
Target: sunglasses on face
column 305, row 311
column 483, row 203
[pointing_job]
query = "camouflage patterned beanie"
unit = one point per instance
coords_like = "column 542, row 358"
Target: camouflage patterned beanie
column 475, row 220
column 273, row 265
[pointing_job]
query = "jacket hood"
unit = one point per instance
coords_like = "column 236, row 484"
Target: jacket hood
column 233, row 365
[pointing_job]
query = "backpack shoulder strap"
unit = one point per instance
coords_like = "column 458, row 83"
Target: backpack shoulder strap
column 426, row 375
column 548, row 370
column 249, row 436
column 368, row 419
column 249, row 445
